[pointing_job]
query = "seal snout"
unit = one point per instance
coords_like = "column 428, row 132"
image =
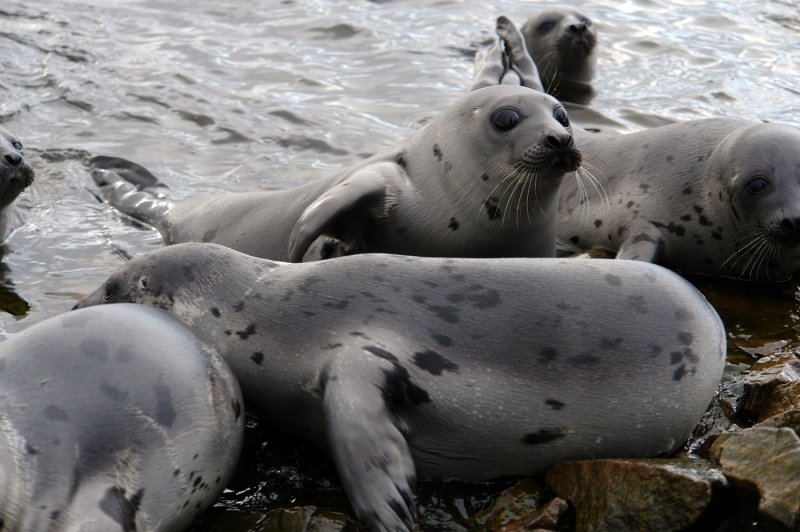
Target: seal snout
column 790, row 228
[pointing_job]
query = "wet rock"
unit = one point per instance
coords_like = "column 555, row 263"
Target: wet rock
column 545, row 518
column 766, row 459
column 772, row 387
column 721, row 414
column 789, row 419
column 658, row 495
column 511, row 505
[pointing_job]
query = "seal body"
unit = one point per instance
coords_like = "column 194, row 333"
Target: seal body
column 16, row 174
column 118, row 418
column 716, row 196
column 480, row 180
column 562, row 43
column 447, row 368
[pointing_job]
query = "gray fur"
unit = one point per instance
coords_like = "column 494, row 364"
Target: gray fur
column 456, row 187
column 677, row 195
column 474, row 369
column 16, row 175
column 114, row 419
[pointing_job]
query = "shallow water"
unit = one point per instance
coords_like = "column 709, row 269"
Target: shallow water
column 234, row 96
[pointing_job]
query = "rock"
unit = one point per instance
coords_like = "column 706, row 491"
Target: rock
column 789, row 419
column 766, row 459
column 514, row 503
column 545, row 518
column 296, row 519
column 657, row 495
column 772, row 387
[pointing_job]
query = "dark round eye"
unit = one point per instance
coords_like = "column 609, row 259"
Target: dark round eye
column 505, row 119
column 757, row 185
column 143, row 282
column 560, row 114
column 547, row 26
column 17, row 145
column 587, row 23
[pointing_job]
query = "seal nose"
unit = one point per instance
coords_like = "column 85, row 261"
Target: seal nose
column 578, row 28
column 14, row 159
column 790, row 226
column 559, row 142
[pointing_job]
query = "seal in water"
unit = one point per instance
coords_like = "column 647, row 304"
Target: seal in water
column 561, row 43
column 717, row 196
column 480, row 180
column 118, row 418
column 16, row 175
column 447, row 368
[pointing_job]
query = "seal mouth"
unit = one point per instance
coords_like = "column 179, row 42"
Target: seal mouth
column 538, row 161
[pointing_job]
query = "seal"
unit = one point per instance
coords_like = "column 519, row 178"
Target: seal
column 480, row 180
column 561, row 43
column 716, row 196
column 16, row 174
column 388, row 360
column 114, row 419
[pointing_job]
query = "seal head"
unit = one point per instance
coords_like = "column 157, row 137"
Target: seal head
column 16, row 173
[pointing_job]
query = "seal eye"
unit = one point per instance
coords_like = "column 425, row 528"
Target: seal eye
column 587, row 22
column 560, row 114
column 546, row 27
column 506, row 119
column 17, row 145
column 107, row 293
column 757, row 185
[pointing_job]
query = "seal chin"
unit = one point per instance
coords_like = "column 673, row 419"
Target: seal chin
column 20, row 176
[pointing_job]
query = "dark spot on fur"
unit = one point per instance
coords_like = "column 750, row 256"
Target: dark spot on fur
column 238, row 307
column 228, row 332
column 338, row 305
column 433, row 362
column 574, row 239
column 383, row 353
column 164, row 414
column 554, row 404
column 585, row 360
column 121, row 509
column 176, row 472
column 112, row 392
column 687, row 190
column 447, row 167
column 251, row 329
column 483, row 297
column 437, row 152
column 401, row 161
column 679, row 373
column 333, row 346
column 685, row 338
column 613, row 280
column 610, row 343
column 237, row 411
column 257, row 357
column 598, row 223
column 485, row 177
column 53, row 515
column 548, row 354
column 669, row 158
column 443, row 340
column 215, row 312
column 491, row 208
column 675, row 357
column 53, row 413
column 453, row 224
column 30, row 449
column 629, row 204
column 672, row 227
column 644, row 187
column 686, row 217
column 398, row 391
column 703, row 220
column 96, row 349
column 542, row 436
column 716, row 235
column 197, row 481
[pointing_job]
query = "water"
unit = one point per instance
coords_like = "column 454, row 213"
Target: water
column 234, row 96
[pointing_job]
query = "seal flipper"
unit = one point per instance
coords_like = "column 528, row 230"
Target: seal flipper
column 517, row 56
column 489, row 67
column 344, row 211
column 133, row 173
column 124, row 197
column 370, row 452
column 642, row 243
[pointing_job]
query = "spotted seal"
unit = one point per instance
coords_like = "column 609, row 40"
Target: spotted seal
column 16, row 174
column 717, row 196
column 114, row 419
column 562, row 43
column 446, row 368
column 480, row 180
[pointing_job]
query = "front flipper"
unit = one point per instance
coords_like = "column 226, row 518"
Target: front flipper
column 346, row 211
column 516, row 55
column 370, row 452
column 643, row 243
column 489, row 67
column 125, row 197
column 135, row 174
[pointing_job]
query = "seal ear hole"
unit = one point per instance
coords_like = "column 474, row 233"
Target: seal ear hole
column 561, row 116
column 143, row 283
column 506, row 119
column 757, row 185
column 107, row 292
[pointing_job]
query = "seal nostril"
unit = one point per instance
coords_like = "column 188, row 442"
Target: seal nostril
column 577, row 28
column 553, row 142
column 789, row 226
column 13, row 158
